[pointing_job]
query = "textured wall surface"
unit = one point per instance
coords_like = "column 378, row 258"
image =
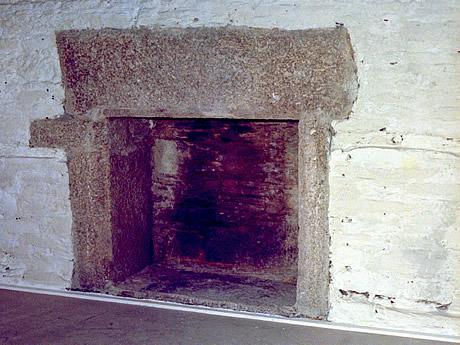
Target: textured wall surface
column 395, row 164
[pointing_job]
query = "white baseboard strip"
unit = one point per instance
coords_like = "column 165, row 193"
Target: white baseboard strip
column 231, row 313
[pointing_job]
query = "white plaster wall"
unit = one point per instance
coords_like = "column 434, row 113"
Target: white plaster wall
column 395, row 164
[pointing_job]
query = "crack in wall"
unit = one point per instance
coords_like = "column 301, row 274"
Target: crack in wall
column 398, row 148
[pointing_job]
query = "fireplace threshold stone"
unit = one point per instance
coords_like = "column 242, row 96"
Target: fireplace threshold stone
column 219, row 290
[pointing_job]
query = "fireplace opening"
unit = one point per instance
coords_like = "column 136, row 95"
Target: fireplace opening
column 205, row 211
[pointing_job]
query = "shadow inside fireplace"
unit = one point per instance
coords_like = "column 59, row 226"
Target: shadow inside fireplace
column 205, row 212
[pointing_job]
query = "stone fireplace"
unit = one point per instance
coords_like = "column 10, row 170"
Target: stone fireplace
column 198, row 162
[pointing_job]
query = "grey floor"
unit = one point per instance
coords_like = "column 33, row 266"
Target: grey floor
column 35, row 319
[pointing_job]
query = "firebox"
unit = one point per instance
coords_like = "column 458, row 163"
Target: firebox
column 209, row 205
column 198, row 162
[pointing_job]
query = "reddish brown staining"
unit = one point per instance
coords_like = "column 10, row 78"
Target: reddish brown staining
column 229, row 202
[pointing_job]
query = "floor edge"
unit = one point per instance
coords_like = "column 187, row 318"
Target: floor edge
column 230, row 313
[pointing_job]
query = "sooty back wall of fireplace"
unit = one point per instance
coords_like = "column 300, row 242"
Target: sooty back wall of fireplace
column 225, row 192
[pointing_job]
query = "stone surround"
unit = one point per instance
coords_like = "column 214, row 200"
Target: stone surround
column 307, row 76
